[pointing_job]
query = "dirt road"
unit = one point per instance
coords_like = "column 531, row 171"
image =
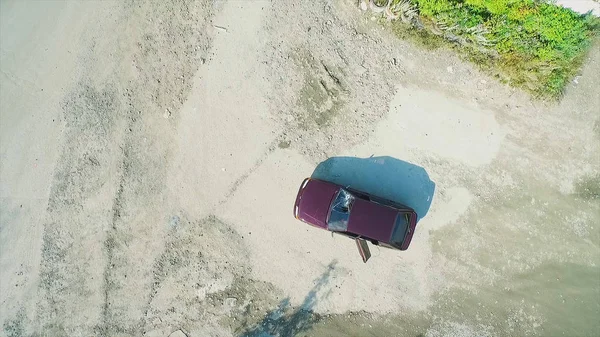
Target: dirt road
column 151, row 153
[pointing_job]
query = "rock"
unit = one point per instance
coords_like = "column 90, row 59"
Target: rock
column 154, row 333
column 231, row 302
column 363, row 5
column 178, row 333
column 450, row 70
column 174, row 221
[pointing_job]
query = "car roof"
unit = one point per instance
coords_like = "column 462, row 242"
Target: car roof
column 372, row 220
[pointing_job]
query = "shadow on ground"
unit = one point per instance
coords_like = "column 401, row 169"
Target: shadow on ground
column 287, row 321
column 385, row 177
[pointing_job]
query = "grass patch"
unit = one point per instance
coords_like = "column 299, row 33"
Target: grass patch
column 534, row 45
column 588, row 188
column 422, row 37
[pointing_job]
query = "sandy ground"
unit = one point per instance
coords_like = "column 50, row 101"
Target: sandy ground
column 151, row 153
column 581, row 6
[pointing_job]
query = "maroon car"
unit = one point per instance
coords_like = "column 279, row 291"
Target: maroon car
column 355, row 214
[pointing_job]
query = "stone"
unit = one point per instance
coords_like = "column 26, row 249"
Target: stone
column 178, row 333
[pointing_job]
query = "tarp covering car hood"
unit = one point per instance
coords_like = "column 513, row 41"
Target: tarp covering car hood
column 372, row 220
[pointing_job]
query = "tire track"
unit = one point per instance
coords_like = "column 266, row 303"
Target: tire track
column 107, row 210
column 69, row 274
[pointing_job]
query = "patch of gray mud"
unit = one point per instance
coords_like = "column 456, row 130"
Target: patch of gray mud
column 200, row 284
column 327, row 93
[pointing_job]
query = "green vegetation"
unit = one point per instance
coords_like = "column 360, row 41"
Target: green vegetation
column 588, row 188
column 530, row 44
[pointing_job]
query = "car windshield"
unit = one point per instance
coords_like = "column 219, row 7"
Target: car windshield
column 340, row 211
column 400, row 227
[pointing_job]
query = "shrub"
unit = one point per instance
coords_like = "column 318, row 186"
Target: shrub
column 533, row 44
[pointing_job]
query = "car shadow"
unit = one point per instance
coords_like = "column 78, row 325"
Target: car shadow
column 385, row 177
column 285, row 320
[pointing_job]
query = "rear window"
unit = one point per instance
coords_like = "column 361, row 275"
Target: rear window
column 400, row 226
column 340, row 211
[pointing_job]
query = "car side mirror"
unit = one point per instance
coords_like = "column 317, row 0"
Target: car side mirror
column 363, row 249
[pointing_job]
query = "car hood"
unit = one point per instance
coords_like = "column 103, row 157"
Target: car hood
column 315, row 201
column 372, row 220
